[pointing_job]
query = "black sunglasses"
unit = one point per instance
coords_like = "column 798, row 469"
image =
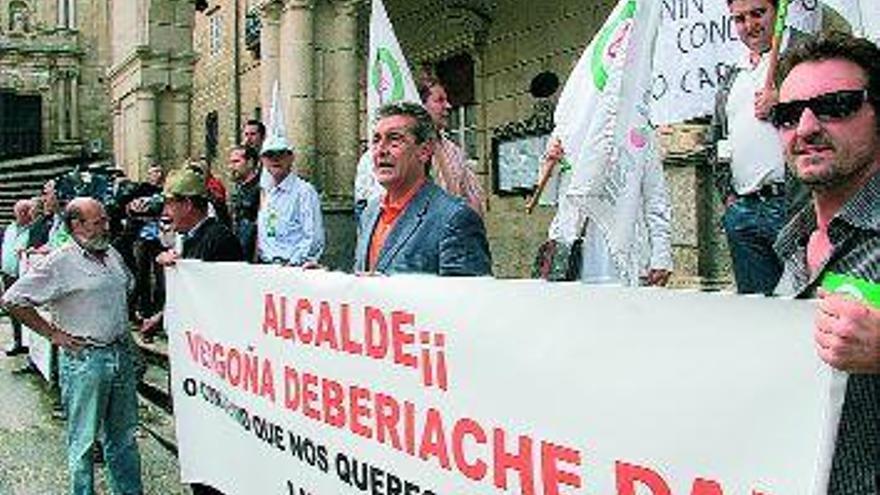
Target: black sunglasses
column 826, row 108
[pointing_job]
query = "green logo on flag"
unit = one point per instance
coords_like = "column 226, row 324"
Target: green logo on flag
column 386, row 77
column 859, row 289
column 612, row 40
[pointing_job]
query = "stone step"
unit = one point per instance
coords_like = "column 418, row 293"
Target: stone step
column 157, row 414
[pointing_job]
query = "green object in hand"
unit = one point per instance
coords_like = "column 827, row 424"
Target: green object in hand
column 858, row 288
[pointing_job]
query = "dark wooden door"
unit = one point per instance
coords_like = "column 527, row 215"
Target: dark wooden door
column 21, row 125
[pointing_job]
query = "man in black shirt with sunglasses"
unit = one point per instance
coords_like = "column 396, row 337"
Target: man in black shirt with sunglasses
column 828, row 117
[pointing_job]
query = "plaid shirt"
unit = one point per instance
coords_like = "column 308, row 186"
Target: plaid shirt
column 855, row 239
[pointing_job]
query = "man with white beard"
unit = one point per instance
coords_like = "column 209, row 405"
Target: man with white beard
column 85, row 284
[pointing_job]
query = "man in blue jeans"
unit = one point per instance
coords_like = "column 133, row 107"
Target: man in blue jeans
column 85, row 285
column 750, row 169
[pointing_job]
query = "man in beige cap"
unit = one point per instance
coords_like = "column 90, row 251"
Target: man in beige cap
column 203, row 237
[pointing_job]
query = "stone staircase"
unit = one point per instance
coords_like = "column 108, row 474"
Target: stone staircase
column 156, row 408
column 23, row 178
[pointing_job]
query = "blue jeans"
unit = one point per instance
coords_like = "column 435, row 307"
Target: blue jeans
column 752, row 224
column 98, row 389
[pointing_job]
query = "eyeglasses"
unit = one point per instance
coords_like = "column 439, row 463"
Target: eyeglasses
column 827, row 108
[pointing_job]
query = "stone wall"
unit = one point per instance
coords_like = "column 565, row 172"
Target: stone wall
column 150, row 79
column 61, row 58
column 213, row 81
column 94, row 94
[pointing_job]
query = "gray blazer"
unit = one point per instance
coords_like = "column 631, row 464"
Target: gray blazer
column 437, row 233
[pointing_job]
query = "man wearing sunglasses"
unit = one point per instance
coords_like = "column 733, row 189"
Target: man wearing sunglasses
column 749, row 167
column 829, row 124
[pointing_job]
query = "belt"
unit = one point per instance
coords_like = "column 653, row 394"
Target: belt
column 772, row 190
column 90, row 342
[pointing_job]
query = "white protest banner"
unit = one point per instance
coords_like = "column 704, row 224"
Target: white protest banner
column 39, row 350
column 39, row 347
column 696, row 44
column 307, row 382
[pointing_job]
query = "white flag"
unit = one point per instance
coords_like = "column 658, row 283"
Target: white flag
column 602, row 119
column 388, row 76
column 276, row 130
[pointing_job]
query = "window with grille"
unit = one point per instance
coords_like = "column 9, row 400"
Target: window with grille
column 216, row 33
column 457, row 75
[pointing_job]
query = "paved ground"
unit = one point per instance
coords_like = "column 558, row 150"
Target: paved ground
column 32, row 460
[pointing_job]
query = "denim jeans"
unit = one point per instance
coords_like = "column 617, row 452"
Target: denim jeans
column 752, row 224
column 98, row 389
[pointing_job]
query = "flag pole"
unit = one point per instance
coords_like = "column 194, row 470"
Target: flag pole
column 776, row 45
column 547, row 167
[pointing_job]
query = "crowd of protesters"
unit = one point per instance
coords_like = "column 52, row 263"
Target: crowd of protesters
column 421, row 212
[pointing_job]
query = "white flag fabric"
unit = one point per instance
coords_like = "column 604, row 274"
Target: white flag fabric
column 276, row 131
column 602, row 119
column 389, row 79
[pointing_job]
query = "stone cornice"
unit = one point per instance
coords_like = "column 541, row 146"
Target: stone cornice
column 40, row 45
column 143, row 55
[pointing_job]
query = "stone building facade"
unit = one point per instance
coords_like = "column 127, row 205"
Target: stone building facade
column 53, row 92
column 150, row 81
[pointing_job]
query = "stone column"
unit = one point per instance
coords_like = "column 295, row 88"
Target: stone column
column 270, row 13
column 341, row 89
column 181, row 101
column 147, row 127
column 74, row 106
column 298, row 80
column 60, row 104
column 118, row 135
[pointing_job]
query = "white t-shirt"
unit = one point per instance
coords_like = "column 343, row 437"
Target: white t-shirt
column 756, row 158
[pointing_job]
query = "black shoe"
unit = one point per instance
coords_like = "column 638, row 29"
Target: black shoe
column 17, row 350
column 97, row 453
column 58, row 413
column 26, row 370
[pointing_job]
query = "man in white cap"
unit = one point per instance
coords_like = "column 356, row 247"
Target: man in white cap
column 290, row 228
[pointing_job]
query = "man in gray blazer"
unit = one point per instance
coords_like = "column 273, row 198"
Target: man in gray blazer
column 415, row 227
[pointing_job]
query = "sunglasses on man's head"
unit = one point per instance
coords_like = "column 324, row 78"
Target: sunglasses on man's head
column 826, row 108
